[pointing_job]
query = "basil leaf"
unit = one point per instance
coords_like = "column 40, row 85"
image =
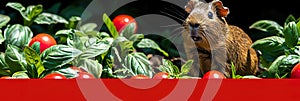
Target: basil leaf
column 88, row 27
column 17, row 35
column 138, row 63
column 102, row 35
column 58, row 55
column 129, row 30
column 48, row 18
column 169, row 67
column 4, row 20
column 73, row 21
column 110, row 25
column 17, row 6
column 185, row 68
column 136, row 37
column 1, row 37
column 20, row 75
column 91, row 66
column 284, row 64
column 148, row 43
column 291, row 34
column 298, row 27
column 67, row 72
column 3, row 66
column 36, row 47
column 289, row 19
column 33, row 58
column 32, row 12
column 270, row 46
column 15, row 59
column 93, row 47
column 268, row 26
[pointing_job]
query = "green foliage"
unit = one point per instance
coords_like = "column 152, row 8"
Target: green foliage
column 279, row 53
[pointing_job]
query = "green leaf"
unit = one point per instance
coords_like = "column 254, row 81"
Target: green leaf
column 298, row 27
column 3, row 66
column 15, row 59
column 32, row 12
column 20, row 75
column 58, row 55
column 73, row 21
column 169, row 67
column 289, row 19
column 291, row 34
column 4, row 20
column 33, row 58
column 148, row 43
column 136, row 37
column 129, row 30
column 268, row 26
column 91, row 66
column 138, row 63
column 94, row 47
column 270, row 47
column 88, row 27
column 284, row 64
column 17, row 6
column 107, row 72
column 103, row 35
column 17, row 35
column 67, row 72
column 110, row 25
column 36, row 47
column 1, row 37
column 185, row 68
column 48, row 18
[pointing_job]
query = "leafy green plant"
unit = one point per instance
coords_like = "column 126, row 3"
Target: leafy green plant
column 280, row 52
column 103, row 54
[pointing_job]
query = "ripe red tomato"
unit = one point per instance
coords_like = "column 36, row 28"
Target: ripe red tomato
column 121, row 21
column 295, row 73
column 140, row 76
column 85, row 75
column 7, row 77
column 161, row 75
column 45, row 40
column 55, row 76
column 214, row 74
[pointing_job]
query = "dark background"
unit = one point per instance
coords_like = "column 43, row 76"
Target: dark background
column 243, row 13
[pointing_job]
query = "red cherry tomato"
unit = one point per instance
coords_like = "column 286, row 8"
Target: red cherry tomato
column 295, row 73
column 45, row 40
column 7, row 77
column 140, row 76
column 161, row 75
column 214, row 74
column 55, row 76
column 121, row 21
column 85, row 75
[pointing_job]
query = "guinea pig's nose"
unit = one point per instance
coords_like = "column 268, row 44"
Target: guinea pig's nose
column 194, row 32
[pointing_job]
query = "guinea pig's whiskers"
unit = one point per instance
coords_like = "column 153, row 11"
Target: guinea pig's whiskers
column 171, row 25
column 176, row 11
column 172, row 16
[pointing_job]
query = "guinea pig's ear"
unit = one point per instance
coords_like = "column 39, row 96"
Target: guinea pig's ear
column 191, row 5
column 220, row 9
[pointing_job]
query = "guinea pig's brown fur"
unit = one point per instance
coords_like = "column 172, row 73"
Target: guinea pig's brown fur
column 217, row 43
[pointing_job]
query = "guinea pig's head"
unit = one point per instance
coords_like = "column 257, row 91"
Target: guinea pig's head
column 205, row 22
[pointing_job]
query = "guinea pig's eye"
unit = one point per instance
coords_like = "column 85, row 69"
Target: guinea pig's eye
column 210, row 15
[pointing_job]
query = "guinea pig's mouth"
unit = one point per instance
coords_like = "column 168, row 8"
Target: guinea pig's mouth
column 196, row 38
